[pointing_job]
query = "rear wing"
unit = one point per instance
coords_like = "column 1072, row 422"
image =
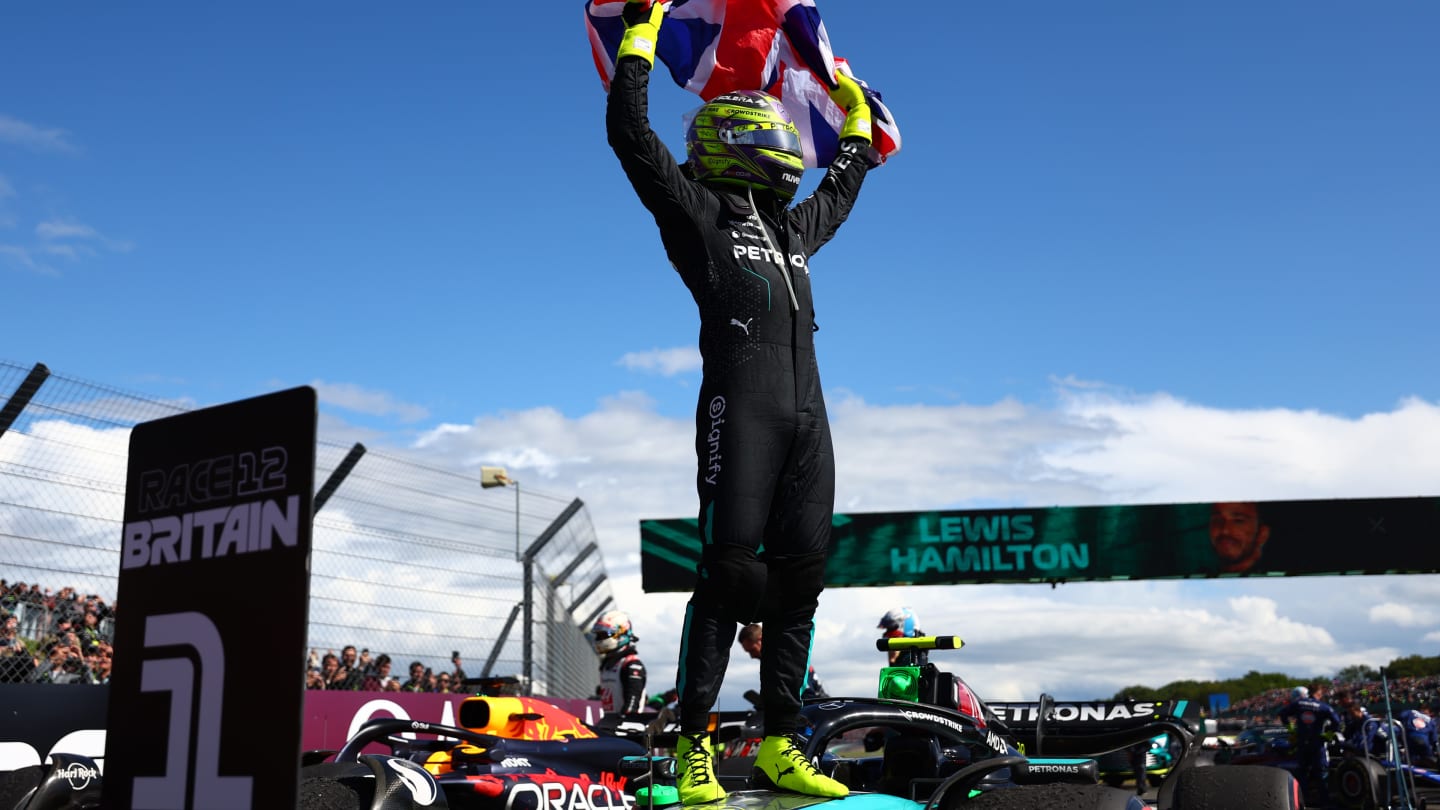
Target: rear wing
column 1095, row 715
column 1080, row 728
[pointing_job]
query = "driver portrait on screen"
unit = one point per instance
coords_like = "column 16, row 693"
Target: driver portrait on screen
column 1238, row 535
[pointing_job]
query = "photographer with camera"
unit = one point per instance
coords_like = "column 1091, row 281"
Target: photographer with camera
column 64, row 664
column 16, row 663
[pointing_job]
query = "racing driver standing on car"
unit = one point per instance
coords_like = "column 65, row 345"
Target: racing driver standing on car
column 766, row 466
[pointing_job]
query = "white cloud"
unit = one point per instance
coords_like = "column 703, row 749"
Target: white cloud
column 1158, row 448
column 19, row 257
column 55, row 229
column 1403, row 615
column 68, row 251
column 52, row 231
column 29, row 136
column 375, row 403
column 666, row 362
column 628, row 462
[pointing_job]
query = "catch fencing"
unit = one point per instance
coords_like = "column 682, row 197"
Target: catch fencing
column 408, row 560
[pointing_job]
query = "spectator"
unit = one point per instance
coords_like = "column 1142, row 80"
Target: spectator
column 417, row 679
column 366, row 666
column 443, row 682
column 348, row 675
column 752, row 641
column 98, row 661
column 330, row 671
column 89, row 631
column 61, row 666
column 10, row 596
column 17, row 665
column 68, row 606
column 380, row 678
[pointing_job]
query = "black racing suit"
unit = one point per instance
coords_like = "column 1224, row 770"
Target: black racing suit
column 766, row 468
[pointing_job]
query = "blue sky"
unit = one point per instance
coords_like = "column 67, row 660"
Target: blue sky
column 1114, row 228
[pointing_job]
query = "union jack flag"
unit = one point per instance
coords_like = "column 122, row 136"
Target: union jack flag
column 779, row 46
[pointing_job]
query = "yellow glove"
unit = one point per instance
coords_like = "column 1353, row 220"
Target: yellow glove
column 848, row 95
column 642, row 29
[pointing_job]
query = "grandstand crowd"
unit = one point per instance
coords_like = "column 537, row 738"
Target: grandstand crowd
column 358, row 672
column 66, row 637
column 1264, row 708
column 54, row 637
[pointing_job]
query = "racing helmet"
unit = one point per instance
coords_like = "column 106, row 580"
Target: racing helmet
column 899, row 623
column 746, row 139
column 611, row 632
column 1299, row 693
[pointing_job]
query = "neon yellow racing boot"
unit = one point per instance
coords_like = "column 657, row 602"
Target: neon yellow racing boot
column 695, row 769
column 784, row 766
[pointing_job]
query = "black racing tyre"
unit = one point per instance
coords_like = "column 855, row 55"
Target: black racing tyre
column 336, row 793
column 1225, row 787
column 373, row 782
column 1358, row 784
column 1049, row 797
column 17, row 784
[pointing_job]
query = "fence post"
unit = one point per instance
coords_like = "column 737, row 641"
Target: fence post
column 595, row 614
column 500, row 642
column 529, row 559
column 338, row 475
column 17, row 402
column 585, row 594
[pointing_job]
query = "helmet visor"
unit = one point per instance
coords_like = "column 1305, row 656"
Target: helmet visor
column 770, row 138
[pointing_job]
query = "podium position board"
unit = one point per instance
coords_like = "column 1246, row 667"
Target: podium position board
column 207, row 691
